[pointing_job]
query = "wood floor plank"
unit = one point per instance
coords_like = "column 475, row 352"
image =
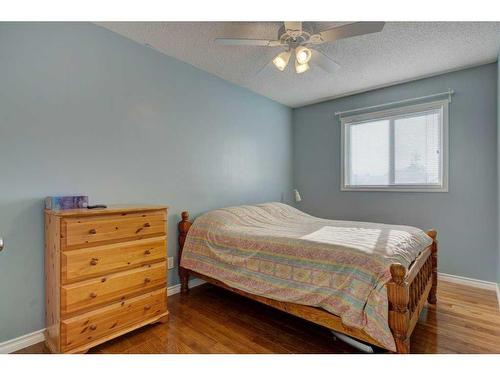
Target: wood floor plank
column 212, row 320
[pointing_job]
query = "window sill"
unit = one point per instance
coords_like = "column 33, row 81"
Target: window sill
column 397, row 189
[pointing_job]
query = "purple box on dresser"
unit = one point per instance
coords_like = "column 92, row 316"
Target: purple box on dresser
column 66, row 202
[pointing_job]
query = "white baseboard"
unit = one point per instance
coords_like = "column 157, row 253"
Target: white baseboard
column 498, row 295
column 33, row 338
column 174, row 289
column 22, row 342
column 490, row 285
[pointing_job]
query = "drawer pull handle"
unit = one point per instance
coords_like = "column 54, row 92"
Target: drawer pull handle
column 147, row 252
column 147, row 307
column 93, row 295
column 147, row 280
column 147, row 225
column 93, row 261
column 92, row 231
column 93, row 327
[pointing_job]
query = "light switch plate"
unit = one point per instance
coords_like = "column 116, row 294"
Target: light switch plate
column 170, row 262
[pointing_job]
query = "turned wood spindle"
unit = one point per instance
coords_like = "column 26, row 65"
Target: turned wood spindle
column 183, row 227
column 399, row 316
column 434, row 261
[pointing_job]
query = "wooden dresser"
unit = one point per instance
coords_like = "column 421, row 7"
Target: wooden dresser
column 105, row 273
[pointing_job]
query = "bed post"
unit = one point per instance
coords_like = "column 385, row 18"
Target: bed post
column 399, row 315
column 183, row 227
column 432, row 299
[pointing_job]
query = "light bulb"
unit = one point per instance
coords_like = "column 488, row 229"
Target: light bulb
column 301, row 68
column 281, row 61
column 303, row 55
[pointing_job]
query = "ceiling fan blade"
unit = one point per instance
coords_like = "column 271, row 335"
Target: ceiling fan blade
column 293, row 25
column 324, row 61
column 247, row 42
column 348, row 31
column 267, row 65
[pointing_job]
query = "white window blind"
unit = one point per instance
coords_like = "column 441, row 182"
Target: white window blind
column 403, row 149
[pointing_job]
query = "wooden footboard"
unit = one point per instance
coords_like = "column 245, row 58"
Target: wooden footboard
column 407, row 293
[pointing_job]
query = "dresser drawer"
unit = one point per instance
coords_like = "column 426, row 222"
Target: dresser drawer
column 90, row 231
column 88, row 327
column 101, row 260
column 94, row 292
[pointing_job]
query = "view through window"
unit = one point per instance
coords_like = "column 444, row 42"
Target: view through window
column 401, row 149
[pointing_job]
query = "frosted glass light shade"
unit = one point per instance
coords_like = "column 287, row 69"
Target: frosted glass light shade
column 281, row 60
column 301, row 68
column 303, row 55
column 296, row 195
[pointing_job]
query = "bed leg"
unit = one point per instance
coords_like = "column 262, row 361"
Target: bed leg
column 432, row 299
column 184, row 276
column 403, row 345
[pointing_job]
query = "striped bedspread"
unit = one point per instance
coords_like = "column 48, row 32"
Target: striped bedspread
column 276, row 251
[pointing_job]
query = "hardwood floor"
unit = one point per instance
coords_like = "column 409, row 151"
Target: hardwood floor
column 211, row 320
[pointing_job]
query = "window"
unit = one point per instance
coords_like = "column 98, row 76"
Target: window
column 403, row 149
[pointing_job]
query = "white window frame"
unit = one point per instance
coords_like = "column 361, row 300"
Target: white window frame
column 441, row 105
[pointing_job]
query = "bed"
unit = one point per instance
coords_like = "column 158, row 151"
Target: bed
column 369, row 281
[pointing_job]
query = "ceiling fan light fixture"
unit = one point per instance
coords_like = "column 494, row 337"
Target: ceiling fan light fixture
column 303, row 55
column 301, row 68
column 281, row 60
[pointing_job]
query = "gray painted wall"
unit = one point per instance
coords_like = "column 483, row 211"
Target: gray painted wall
column 498, row 165
column 466, row 217
column 84, row 110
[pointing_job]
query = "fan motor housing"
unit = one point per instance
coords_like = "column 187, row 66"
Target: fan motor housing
column 296, row 38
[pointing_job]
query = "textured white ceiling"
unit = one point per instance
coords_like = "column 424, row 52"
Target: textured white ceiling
column 401, row 52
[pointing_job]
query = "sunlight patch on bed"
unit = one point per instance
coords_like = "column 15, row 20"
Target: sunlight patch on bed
column 363, row 239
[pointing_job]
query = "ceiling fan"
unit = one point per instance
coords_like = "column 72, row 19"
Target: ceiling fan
column 300, row 40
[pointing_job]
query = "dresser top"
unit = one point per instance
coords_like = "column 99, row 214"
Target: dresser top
column 114, row 209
